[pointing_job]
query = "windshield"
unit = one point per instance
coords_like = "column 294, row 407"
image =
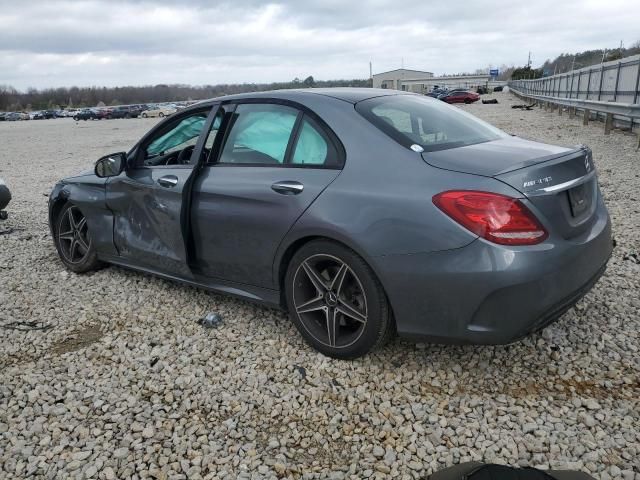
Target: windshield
column 432, row 124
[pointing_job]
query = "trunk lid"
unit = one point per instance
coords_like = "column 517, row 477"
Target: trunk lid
column 559, row 182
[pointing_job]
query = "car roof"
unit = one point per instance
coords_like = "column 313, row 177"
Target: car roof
column 347, row 94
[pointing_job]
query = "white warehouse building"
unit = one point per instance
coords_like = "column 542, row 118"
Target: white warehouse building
column 423, row 82
column 395, row 79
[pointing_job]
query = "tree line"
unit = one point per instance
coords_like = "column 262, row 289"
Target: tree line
column 565, row 62
column 12, row 99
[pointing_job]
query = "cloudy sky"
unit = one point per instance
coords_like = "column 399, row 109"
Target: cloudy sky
column 45, row 43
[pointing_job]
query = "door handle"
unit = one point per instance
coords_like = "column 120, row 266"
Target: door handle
column 168, row 181
column 287, row 187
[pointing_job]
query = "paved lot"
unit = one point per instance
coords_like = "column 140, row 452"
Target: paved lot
column 126, row 384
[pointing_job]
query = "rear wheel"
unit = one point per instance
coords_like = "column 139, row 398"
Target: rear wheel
column 161, row 114
column 73, row 241
column 144, row 115
column 336, row 301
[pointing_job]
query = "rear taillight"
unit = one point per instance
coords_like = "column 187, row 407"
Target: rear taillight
column 494, row 217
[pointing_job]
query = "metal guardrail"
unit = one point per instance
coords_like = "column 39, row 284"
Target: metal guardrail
column 611, row 88
column 609, row 109
column 630, row 110
column 616, row 81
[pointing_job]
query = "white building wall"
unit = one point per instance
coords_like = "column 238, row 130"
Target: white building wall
column 396, row 78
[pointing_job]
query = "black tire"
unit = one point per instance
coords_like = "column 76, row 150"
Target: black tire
column 84, row 257
column 356, row 302
column 144, row 115
column 161, row 114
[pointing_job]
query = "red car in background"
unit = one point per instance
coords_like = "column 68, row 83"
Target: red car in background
column 459, row 97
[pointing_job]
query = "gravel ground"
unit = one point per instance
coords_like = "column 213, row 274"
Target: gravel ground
column 126, row 384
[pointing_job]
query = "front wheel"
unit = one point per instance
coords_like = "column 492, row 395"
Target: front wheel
column 73, row 241
column 336, row 301
column 161, row 114
column 144, row 115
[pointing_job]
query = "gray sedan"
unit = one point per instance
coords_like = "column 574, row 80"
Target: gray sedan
column 365, row 213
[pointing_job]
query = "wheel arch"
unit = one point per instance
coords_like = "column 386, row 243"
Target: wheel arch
column 57, row 207
column 56, row 203
column 87, row 193
column 282, row 262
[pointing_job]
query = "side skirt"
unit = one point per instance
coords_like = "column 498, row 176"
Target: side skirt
column 263, row 296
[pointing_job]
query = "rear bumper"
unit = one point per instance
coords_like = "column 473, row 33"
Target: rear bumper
column 491, row 294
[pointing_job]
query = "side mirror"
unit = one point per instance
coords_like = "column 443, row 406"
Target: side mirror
column 111, row 165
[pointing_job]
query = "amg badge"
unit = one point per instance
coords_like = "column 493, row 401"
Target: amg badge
column 539, row 181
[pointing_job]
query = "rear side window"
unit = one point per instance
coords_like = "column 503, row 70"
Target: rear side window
column 432, row 124
column 259, row 134
column 313, row 147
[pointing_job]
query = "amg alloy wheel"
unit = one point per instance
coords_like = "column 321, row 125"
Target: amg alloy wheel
column 73, row 241
column 336, row 302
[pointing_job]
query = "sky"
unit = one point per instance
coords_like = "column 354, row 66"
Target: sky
column 51, row 43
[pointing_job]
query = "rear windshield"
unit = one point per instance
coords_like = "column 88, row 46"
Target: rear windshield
column 432, row 124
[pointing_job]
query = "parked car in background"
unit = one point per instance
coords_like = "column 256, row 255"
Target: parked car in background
column 460, row 97
column 3, row 116
column 499, row 88
column 13, row 116
column 436, row 92
column 124, row 111
column 160, row 111
column 102, row 113
column 47, row 114
column 37, row 115
column 85, row 114
column 116, row 112
column 282, row 192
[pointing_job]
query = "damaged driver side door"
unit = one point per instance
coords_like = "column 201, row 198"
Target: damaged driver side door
column 148, row 198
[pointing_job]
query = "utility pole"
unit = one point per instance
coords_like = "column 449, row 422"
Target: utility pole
column 371, row 74
column 529, row 61
column 603, row 54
